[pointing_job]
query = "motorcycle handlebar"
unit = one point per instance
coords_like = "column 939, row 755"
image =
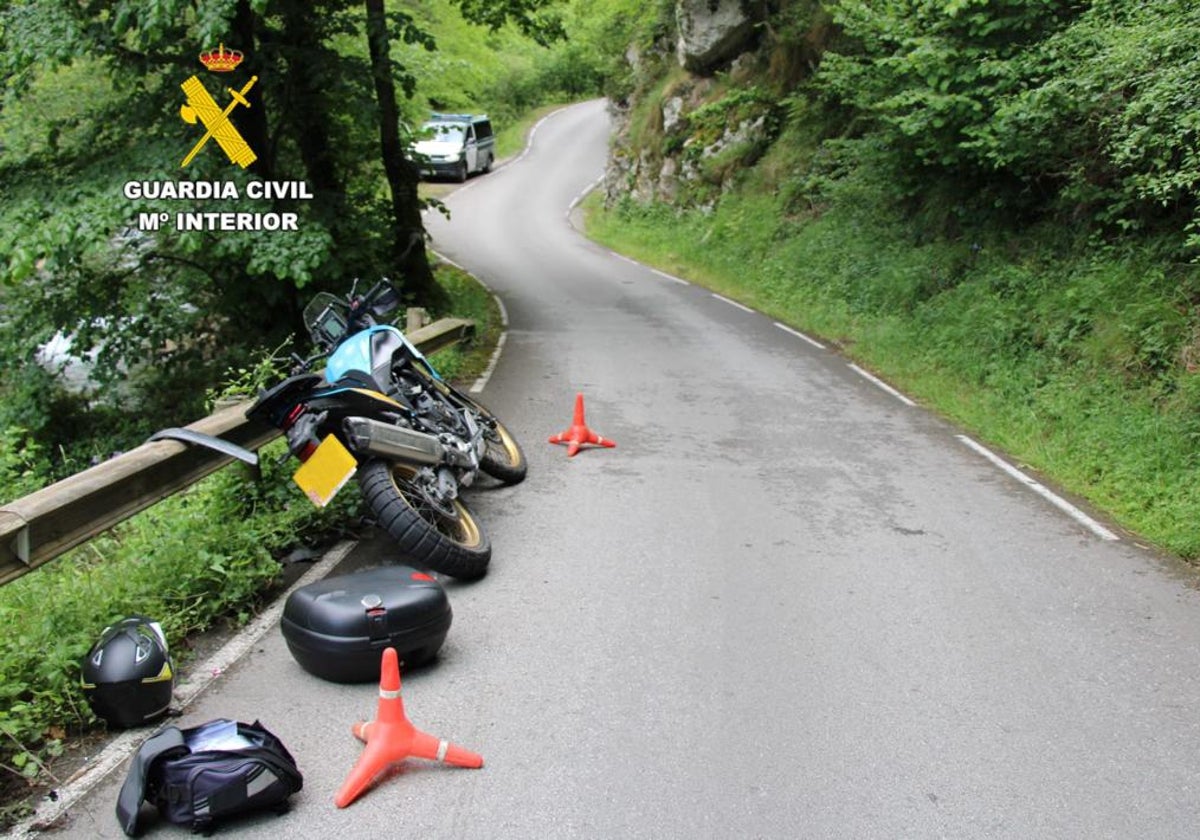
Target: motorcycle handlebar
column 383, row 296
column 301, row 364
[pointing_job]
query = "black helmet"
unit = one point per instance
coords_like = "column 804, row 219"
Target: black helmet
column 128, row 676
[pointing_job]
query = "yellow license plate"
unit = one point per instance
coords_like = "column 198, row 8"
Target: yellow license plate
column 326, row 471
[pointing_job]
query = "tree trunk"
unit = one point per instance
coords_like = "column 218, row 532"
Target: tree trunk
column 408, row 244
column 306, row 109
column 252, row 122
column 301, row 49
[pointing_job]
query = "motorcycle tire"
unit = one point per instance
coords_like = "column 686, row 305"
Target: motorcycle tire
column 503, row 460
column 455, row 546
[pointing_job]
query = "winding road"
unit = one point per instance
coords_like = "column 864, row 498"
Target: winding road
column 789, row 604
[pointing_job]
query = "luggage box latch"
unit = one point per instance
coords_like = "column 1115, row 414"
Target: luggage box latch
column 377, row 624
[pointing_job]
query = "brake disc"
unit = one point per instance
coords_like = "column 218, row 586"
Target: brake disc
column 439, row 490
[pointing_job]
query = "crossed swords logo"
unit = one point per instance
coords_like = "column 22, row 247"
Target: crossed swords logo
column 203, row 108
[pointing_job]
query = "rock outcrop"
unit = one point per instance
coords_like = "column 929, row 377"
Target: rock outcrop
column 700, row 134
column 711, row 32
column 697, row 159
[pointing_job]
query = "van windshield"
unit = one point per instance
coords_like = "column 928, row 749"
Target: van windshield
column 444, row 132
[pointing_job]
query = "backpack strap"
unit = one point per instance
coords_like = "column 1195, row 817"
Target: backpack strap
column 165, row 743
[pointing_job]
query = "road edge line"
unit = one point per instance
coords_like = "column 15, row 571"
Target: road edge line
column 1054, row 499
column 735, row 304
column 800, row 335
column 875, row 380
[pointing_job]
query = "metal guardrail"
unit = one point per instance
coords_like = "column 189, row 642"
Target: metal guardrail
column 43, row 525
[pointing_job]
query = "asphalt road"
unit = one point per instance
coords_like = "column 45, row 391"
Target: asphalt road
column 787, row 605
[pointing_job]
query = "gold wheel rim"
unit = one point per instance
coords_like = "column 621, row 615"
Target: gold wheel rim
column 466, row 530
column 510, row 445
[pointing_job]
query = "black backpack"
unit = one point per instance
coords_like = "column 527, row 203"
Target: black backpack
column 200, row 776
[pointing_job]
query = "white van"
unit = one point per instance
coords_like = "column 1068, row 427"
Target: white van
column 455, row 145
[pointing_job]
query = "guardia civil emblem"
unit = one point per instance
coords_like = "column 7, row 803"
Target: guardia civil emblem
column 203, row 109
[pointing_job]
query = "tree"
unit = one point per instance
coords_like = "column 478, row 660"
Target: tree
column 408, row 244
column 1029, row 107
column 928, row 71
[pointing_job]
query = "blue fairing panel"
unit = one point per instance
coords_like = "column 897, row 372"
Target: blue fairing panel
column 365, row 351
column 368, row 351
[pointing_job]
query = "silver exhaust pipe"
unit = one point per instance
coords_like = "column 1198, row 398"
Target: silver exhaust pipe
column 371, row 437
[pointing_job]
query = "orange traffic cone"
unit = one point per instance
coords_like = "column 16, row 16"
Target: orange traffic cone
column 391, row 738
column 579, row 433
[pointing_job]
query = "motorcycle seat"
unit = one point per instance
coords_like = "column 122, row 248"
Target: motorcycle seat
column 358, row 379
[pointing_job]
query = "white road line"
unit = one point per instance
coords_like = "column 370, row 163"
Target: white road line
column 733, row 303
column 446, row 259
column 577, row 199
column 503, row 310
column 533, row 132
column 203, row 675
column 1060, row 503
column 800, row 335
column 482, row 381
column 880, row 383
column 678, row 280
column 661, row 274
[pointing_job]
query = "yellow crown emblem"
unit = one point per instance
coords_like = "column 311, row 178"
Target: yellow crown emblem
column 221, row 60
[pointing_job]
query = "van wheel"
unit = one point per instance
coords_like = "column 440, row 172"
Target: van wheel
column 460, row 174
column 487, row 166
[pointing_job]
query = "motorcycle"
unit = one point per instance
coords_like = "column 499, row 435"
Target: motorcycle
column 382, row 412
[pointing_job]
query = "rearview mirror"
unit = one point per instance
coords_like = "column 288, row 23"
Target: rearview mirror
column 385, row 301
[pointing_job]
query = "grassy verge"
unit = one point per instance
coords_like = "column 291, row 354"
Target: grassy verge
column 511, row 138
column 1076, row 359
column 180, row 562
column 471, row 300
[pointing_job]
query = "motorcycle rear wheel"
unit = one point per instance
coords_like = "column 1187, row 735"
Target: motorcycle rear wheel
column 454, row 545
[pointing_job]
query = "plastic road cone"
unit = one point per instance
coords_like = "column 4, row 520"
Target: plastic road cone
column 579, row 433
column 391, row 738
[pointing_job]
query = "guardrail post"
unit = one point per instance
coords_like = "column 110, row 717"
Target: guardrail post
column 415, row 317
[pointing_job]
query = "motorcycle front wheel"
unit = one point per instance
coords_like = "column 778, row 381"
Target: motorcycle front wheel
column 503, row 459
column 451, row 543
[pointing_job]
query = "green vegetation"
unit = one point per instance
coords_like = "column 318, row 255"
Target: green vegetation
column 474, row 302
column 994, row 205
column 179, row 562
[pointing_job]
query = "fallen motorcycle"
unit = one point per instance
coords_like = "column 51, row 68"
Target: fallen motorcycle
column 380, row 411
